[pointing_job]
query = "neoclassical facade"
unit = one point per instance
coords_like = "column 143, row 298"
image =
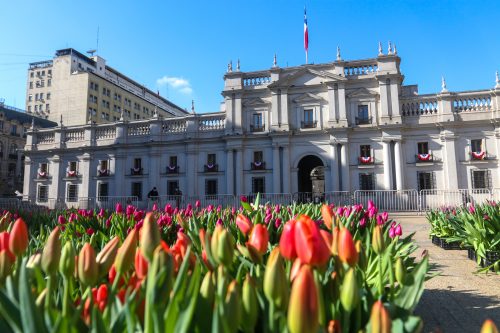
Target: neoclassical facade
column 338, row 126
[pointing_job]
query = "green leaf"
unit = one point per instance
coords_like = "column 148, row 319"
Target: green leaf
column 410, row 294
column 10, row 312
column 97, row 322
column 31, row 319
column 185, row 316
column 246, row 206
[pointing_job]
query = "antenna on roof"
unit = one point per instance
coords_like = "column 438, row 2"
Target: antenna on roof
column 91, row 52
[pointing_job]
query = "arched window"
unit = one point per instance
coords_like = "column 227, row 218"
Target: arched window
column 13, row 149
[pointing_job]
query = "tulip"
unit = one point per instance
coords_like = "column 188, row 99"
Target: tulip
column 378, row 240
column 310, row 247
column 107, row 256
column 275, row 281
column 392, row 232
column 150, row 236
column 243, row 198
column 87, row 266
column 34, row 261
column 130, row 210
column 232, row 307
column 335, row 241
column 327, row 213
column 205, row 304
column 400, row 271
column 334, row 326
column 259, row 238
column 119, row 208
column 102, row 296
column 303, row 308
column 327, row 238
column 222, row 246
column 295, row 269
column 489, row 327
column 398, row 230
column 141, row 265
column 349, row 292
column 61, row 219
column 347, row 249
column 125, row 256
column 287, row 241
column 52, row 252
column 250, row 305
column 18, row 238
column 380, row 320
column 197, row 204
column 67, row 261
column 102, row 212
column 6, row 264
column 4, row 240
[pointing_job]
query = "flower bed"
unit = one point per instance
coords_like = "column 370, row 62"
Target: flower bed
column 257, row 268
column 474, row 228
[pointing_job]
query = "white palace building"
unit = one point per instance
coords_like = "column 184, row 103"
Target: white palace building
column 307, row 132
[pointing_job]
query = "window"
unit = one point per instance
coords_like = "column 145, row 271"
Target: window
column 48, row 95
column 43, row 73
column 103, row 165
column 96, row 87
column 32, row 74
column 366, row 181
column 257, row 124
column 42, row 83
column 137, row 190
column 49, row 72
column 481, row 179
column 49, row 82
column 308, row 118
column 43, row 193
column 43, row 167
column 362, row 117
column 423, row 147
column 211, row 160
column 40, row 107
column 426, row 180
column 30, row 97
column 36, row 107
column 258, row 156
column 258, row 185
column 173, row 161
column 102, row 191
column 29, row 108
column 211, row 186
column 476, row 146
column 172, row 187
column 365, row 151
column 72, row 193
column 31, row 84
column 13, row 130
column 72, row 166
column 137, row 163
column 47, row 107
column 36, row 97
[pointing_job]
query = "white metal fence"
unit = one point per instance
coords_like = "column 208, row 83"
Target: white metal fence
column 403, row 201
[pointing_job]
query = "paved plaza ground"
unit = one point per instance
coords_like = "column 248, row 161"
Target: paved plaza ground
column 457, row 300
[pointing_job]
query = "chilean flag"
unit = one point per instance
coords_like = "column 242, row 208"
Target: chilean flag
column 306, row 34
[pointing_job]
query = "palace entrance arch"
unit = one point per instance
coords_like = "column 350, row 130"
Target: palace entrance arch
column 310, row 178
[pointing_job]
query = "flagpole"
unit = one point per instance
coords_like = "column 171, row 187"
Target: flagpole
column 306, row 58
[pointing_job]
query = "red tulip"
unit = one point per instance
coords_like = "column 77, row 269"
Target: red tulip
column 259, row 238
column 309, row 244
column 287, row 241
column 380, row 319
column 327, row 237
column 18, row 239
column 347, row 249
column 244, row 224
column 4, row 241
column 141, row 265
column 303, row 308
column 327, row 214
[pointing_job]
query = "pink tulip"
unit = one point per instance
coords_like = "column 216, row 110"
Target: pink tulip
column 472, row 209
column 398, row 230
column 130, row 210
column 277, row 209
column 340, row 210
column 392, row 232
column 90, row 231
column 61, row 219
column 197, row 204
column 119, row 208
column 101, row 213
column 277, row 223
column 380, row 221
column 268, row 218
column 243, row 198
column 385, row 216
column 362, row 222
column 155, row 207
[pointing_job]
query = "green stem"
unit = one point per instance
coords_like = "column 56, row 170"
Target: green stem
column 380, row 277
column 346, row 323
column 271, row 316
column 66, row 297
column 48, row 295
column 392, row 278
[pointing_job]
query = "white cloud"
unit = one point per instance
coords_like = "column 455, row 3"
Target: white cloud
column 177, row 83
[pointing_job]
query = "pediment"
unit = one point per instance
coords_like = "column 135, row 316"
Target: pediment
column 255, row 102
column 307, row 77
column 361, row 92
column 308, row 97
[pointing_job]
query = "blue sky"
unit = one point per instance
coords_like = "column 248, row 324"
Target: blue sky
column 182, row 47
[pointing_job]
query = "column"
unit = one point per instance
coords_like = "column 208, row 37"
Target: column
column 191, row 176
column 334, row 170
column 84, row 170
column 276, row 169
column 497, row 141
column 284, row 110
column 238, row 122
column 342, row 106
column 229, row 172
column 398, row 161
column 29, row 186
column 18, row 164
column 119, row 173
column 332, row 109
column 286, row 169
column 344, row 162
column 450, row 162
column 274, row 109
column 57, row 183
column 240, row 189
column 154, row 172
column 387, row 165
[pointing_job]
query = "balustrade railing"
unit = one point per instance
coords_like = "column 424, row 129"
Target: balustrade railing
column 103, row 133
column 45, row 138
column 211, row 123
column 174, row 126
column 256, row 80
column 138, row 129
column 74, row 135
column 361, row 69
column 420, row 106
column 472, row 102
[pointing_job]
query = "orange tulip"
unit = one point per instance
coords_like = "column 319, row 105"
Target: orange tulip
column 489, row 327
column 125, row 256
column 7, row 260
column 327, row 237
column 4, row 241
column 297, row 265
column 303, row 308
column 141, row 265
column 378, row 240
column 380, row 320
column 244, row 224
column 87, row 265
column 334, row 326
column 150, row 236
column 18, row 239
column 310, row 246
column 347, row 249
column 259, row 238
column 287, row 241
column 335, row 241
column 327, row 214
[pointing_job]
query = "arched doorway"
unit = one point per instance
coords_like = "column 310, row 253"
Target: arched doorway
column 310, row 169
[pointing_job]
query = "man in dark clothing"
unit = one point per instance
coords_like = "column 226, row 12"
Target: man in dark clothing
column 153, row 194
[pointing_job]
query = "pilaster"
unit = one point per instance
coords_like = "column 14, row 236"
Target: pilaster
column 276, row 169
column 448, row 137
column 229, row 171
column 386, row 145
column 398, row 163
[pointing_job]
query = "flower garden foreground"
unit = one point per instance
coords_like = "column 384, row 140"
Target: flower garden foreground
column 260, row 268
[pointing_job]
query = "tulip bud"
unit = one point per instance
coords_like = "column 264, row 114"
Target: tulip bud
column 125, row 256
column 380, row 320
column 334, row 326
column 141, row 265
column 150, row 236
column 349, row 292
column 275, row 282
column 311, row 249
column 327, row 213
column 250, row 306
column 400, row 271
column 244, row 224
column 160, row 274
column 232, row 307
column 4, row 241
column 52, row 252
column 7, row 260
column 67, row 261
column 18, row 238
column 303, row 308
column 259, row 238
column 106, row 257
column 347, row 250
column 222, row 246
column 335, row 241
column 87, row 266
column 207, row 289
column 34, row 261
column 362, row 262
column 287, row 241
column 489, row 327
column 378, row 240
